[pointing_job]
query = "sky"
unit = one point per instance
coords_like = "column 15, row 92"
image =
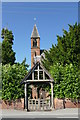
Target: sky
column 51, row 19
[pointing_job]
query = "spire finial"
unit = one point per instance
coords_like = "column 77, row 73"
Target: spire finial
column 35, row 19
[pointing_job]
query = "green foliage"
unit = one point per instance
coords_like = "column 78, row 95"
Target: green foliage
column 63, row 62
column 66, row 81
column 8, row 55
column 7, row 35
column 0, row 70
column 12, row 73
column 0, row 94
column 0, row 52
column 0, row 80
column 11, row 78
column 0, row 76
column 67, row 49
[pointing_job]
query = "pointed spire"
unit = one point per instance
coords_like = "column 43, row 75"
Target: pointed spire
column 35, row 33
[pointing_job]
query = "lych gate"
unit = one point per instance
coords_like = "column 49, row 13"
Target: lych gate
column 38, row 74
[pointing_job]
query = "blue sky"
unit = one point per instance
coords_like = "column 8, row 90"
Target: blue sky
column 51, row 18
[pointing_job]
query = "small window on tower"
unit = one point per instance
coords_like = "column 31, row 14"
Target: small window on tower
column 34, row 43
column 35, row 53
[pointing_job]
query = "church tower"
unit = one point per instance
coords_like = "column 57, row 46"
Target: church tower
column 35, row 45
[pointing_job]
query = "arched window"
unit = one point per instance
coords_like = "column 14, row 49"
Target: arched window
column 34, row 43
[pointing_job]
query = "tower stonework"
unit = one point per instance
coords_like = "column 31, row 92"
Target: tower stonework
column 35, row 45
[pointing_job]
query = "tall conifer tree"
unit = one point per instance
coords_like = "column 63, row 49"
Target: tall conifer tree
column 8, row 55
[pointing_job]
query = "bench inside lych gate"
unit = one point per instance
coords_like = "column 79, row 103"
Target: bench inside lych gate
column 38, row 74
column 38, row 104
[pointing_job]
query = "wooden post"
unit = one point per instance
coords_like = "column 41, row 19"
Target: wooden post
column 43, row 75
column 52, row 96
column 38, row 72
column 33, row 76
column 26, row 97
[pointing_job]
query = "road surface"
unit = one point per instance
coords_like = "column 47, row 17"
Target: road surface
column 37, row 115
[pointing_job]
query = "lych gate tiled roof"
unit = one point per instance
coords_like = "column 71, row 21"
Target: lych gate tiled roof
column 35, row 33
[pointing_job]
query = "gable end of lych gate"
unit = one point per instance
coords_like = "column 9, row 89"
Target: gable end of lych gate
column 38, row 74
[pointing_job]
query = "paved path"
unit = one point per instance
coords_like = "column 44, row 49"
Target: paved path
column 62, row 113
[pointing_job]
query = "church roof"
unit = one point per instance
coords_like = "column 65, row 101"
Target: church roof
column 35, row 33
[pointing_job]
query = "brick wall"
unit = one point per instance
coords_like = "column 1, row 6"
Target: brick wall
column 70, row 104
column 33, row 50
column 18, row 104
column 60, row 104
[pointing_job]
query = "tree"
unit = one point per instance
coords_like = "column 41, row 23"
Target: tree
column 7, row 35
column 8, row 55
column 0, row 52
column 67, row 84
column 0, row 70
column 11, row 78
column 67, row 49
column 0, row 80
column 63, row 62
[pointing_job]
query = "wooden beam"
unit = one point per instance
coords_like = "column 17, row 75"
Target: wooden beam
column 33, row 76
column 38, row 72
column 25, row 94
column 26, row 97
column 52, row 95
column 43, row 75
column 41, row 80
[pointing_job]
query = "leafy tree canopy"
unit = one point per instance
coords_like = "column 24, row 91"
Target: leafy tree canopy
column 0, row 52
column 8, row 55
column 7, row 35
column 12, row 73
column 67, row 49
column 63, row 62
column 67, row 81
column 11, row 78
